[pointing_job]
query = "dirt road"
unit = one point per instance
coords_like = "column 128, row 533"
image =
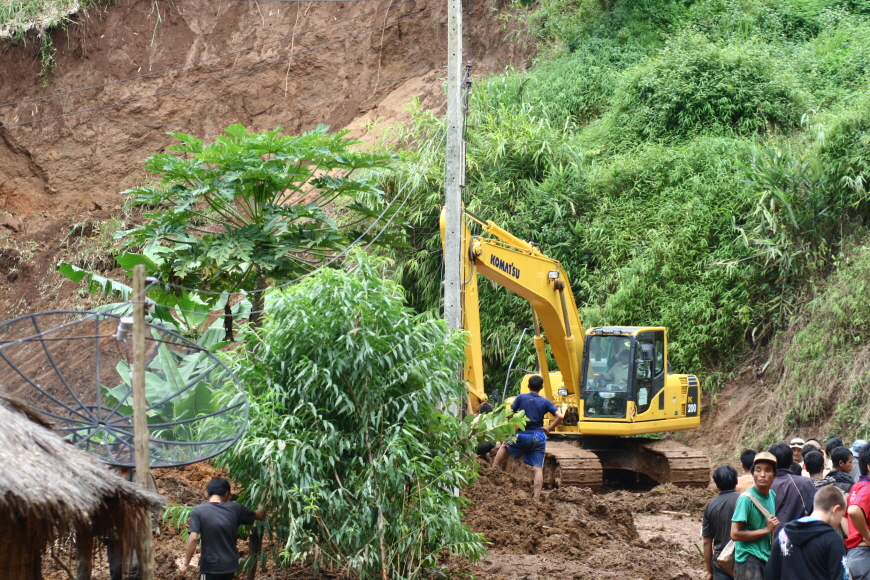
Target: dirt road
column 571, row 534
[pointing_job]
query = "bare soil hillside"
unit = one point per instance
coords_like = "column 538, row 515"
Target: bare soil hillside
column 311, row 62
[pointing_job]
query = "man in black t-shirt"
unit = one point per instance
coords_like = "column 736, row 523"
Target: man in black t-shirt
column 716, row 525
column 217, row 521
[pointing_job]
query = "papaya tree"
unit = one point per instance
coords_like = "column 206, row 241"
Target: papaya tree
column 248, row 210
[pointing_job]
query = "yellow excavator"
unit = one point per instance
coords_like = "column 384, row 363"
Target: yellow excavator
column 612, row 383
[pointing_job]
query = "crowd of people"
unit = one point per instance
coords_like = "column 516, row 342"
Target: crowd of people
column 799, row 511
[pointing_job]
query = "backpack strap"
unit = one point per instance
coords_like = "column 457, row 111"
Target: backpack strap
column 757, row 503
column 800, row 495
column 763, row 511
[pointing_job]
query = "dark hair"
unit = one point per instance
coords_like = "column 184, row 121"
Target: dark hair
column 840, row 454
column 864, row 459
column 217, row 486
column 485, row 408
column 832, row 444
column 746, row 459
column 536, row 383
column 827, row 497
column 808, row 448
column 796, row 468
column 814, row 462
column 783, row 455
column 725, row 477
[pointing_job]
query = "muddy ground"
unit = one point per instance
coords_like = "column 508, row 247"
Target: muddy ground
column 571, row 534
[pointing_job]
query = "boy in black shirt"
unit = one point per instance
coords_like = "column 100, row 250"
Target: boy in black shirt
column 810, row 548
column 218, row 521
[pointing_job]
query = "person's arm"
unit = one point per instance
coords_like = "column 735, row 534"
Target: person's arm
column 708, row 556
column 738, row 534
column 859, row 522
column 555, row 422
column 189, row 550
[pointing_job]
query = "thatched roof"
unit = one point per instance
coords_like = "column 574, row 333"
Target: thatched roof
column 46, row 479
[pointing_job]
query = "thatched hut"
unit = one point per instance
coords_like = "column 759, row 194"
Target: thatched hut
column 48, row 488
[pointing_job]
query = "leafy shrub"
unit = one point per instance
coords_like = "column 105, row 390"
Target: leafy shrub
column 696, row 86
column 846, row 150
column 576, row 86
column 347, row 447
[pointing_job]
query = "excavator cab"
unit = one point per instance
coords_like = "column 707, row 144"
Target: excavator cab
column 624, row 372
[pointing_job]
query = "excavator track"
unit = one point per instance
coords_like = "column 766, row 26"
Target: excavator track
column 593, row 461
column 567, row 464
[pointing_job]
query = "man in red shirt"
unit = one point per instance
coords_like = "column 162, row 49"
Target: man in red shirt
column 858, row 540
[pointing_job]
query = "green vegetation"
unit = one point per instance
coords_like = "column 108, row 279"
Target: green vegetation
column 823, row 359
column 239, row 215
column 347, row 446
column 19, row 18
column 692, row 164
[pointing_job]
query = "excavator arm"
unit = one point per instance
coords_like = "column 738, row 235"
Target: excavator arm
column 523, row 269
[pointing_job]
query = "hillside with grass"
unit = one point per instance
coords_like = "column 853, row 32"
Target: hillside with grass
column 700, row 165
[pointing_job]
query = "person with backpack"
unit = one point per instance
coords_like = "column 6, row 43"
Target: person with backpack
column 754, row 520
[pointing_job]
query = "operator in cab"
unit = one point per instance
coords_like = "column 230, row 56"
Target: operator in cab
column 530, row 444
column 618, row 373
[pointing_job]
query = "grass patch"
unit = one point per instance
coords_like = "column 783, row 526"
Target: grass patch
column 18, row 17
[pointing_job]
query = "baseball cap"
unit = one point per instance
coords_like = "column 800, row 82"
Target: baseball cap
column 765, row 456
column 857, row 446
column 797, row 442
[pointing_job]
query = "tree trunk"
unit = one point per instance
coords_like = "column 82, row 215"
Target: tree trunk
column 255, row 545
column 258, row 301
column 85, row 545
column 228, row 321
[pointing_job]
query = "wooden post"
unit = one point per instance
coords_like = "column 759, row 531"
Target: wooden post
column 140, row 419
column 85, row 544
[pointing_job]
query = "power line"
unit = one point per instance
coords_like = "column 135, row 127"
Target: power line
column 223, row 76
column 420, row 169
column 219, row 56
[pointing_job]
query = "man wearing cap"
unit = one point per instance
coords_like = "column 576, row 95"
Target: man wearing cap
column 857, row 446
column 751, row 529
column 796, row 445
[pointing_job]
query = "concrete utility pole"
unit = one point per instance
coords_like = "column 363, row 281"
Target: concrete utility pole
column 140, row 419
column 455, row 166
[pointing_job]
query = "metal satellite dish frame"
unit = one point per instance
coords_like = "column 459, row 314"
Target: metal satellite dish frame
column 112, row 423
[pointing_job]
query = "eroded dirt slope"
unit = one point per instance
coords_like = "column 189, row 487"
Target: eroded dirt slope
column 345, row 59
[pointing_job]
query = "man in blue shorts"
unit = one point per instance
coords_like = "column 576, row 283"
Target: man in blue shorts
column 531, row 443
